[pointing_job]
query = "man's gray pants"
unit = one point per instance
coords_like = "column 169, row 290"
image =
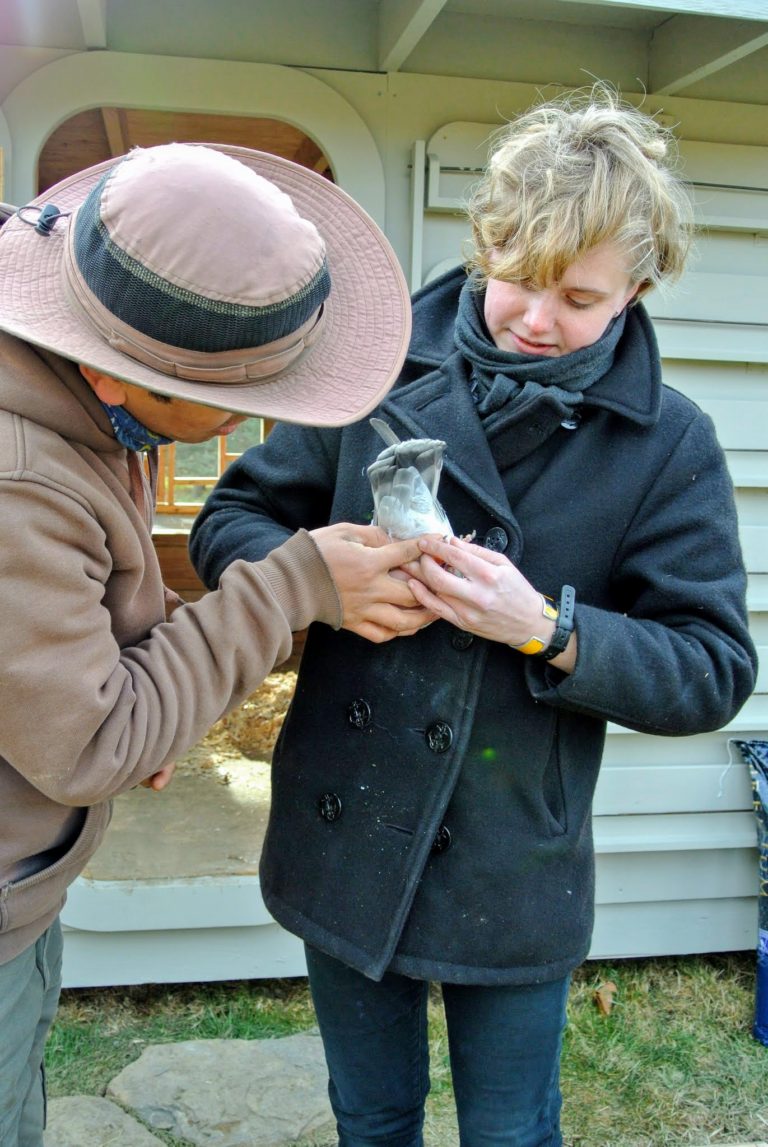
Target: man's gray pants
column 29, row 994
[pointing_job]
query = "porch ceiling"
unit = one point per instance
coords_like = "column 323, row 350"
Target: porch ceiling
column 703, row 49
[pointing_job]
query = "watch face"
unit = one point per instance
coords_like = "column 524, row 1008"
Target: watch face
column 549, row 608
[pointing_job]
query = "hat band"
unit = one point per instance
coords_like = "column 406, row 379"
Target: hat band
column 241, row 366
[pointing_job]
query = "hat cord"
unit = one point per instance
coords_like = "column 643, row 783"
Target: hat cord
column 48, row 216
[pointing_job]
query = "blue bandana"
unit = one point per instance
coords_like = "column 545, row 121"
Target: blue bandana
column 131, row 433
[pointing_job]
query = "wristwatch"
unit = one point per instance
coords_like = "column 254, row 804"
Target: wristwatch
column 562, row 615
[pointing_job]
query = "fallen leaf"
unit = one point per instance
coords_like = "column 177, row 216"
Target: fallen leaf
column 604, row 997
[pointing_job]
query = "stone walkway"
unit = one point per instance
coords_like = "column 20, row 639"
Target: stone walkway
column 212, row 1093
column 231, row 1093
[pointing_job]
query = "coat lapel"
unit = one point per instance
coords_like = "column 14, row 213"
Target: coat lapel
column 439, row 405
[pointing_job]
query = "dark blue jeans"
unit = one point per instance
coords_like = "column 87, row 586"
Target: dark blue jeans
column 504, row 1042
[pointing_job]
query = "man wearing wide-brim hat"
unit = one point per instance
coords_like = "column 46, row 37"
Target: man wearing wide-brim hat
column 164, row 296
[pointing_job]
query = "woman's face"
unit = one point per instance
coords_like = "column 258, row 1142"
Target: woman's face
column 565, row 316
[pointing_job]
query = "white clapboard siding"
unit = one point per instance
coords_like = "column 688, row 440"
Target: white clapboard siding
column 679, row 927
column 674, row 832
column 748, row 468
column 727, row 872
column 725, row 165
column 754, row 544
column 179, row 955
column 711, row 342
column 740, row 423
column 736, row 380
column 762, row 672
column 707, row 297
column 722, row 208
column 728, row 184
column 652, row 788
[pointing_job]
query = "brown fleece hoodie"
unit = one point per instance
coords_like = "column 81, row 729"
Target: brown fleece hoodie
column 98, row 691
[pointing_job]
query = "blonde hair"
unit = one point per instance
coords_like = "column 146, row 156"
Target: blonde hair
column 570, row 174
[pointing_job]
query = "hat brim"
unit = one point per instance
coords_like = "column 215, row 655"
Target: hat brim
column 350, row 368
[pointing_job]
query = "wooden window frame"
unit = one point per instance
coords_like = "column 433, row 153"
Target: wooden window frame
column 169, row 483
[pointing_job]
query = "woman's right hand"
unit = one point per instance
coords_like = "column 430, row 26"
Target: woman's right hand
column 490, row 598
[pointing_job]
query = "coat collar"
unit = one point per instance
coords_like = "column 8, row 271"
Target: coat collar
column 433, row 399
column 440, row 405
column 632, row 387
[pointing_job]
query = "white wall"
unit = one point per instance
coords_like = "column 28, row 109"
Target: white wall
column 67, row 86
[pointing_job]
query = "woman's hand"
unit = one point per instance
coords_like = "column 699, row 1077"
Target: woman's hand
column 490, row 597
column 376, row 600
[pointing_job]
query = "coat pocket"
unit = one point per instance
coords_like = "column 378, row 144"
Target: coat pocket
column 553, row 788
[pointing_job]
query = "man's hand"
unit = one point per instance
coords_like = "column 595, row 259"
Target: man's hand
column 375, row 598
column 159, row 779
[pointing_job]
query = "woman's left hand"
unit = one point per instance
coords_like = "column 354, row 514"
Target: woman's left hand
column 490, row 598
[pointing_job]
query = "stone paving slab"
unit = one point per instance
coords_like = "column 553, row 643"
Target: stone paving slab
column 230, row 1093
column 89, row 1121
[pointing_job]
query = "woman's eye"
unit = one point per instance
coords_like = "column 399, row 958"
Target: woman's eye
column 579, row 304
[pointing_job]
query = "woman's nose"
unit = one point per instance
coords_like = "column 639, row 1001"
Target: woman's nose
column 540, row 312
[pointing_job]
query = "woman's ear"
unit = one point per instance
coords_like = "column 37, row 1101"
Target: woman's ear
column 107, row 389
column 633, row 294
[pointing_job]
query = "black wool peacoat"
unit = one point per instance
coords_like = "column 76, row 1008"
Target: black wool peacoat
column 432, row 796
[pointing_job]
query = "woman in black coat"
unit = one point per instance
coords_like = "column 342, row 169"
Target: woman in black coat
column 431, row 814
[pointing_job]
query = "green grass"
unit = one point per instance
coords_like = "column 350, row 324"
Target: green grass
column 674, row 1063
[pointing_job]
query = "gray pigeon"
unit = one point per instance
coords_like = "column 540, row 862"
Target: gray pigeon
column 404, row 479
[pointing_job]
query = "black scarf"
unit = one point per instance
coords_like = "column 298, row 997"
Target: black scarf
column 504, row 383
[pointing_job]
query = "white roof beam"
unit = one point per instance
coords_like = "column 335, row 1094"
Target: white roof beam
column 93, row 19
column 685, row 50
column 733, row 9
column 402, row 23
column 114, row 126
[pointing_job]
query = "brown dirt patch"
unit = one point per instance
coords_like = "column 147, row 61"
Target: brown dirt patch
column 249, row 731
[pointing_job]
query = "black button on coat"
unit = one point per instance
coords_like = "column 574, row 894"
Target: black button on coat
column 496, row 539
column 635, row 509
column 439, row 737
column 359, row 713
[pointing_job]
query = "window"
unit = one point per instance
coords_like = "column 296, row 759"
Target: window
column 187, row 473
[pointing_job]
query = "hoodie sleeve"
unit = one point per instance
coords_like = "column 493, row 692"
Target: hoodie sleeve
column 83, row 717
column 264, row 496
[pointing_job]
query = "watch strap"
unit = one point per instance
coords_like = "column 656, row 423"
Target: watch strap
column 564, row 626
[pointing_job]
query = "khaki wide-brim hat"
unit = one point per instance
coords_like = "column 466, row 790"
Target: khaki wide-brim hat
column 213, row 228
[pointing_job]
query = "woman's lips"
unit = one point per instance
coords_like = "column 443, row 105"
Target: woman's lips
column 532, row 348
